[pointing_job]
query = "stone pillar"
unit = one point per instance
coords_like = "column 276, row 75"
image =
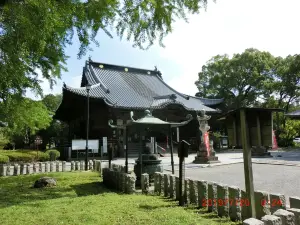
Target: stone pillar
column 234, row 196
column 156, row 182
column 245, row 212
column 172, row 186
column 17, row 170
column 161, row 181
column 295, row 202
column 212, row 197
column 3, row 170
column 42, row 167
column 10, row 171
column 287, row 218
column 29, row 168
column 72, row 165
column 222, row 200
column 193, row 191
column 23, row 169
column 297, row 215
column 271, row 220
column 166, row 185
column 63, row 169
column 77, row 165
column 53, row 166
column 202, row 193
column 68, row 166
column 91, row 165
column 47, row 167
column 58, row 166
column 130, row 183
column 277, row 201
column 186, row 192
column 252, row 221
column 81, row 165
column 177, row 188
column 36, row 168
column 145, row 183
column 262, row 204
column 123, row 183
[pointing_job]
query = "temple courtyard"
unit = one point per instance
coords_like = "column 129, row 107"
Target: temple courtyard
column 279, row 174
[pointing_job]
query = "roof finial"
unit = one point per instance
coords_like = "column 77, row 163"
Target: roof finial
column 64, row 85
column 90, row 58
column 155, row 68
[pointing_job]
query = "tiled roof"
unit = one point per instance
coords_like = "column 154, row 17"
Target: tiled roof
column 125, row 87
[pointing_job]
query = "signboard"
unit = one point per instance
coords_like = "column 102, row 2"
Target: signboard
column 206, row 142
column 104, row 144
column 81, row 144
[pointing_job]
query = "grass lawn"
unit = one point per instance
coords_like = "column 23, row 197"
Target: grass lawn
column 80, row 198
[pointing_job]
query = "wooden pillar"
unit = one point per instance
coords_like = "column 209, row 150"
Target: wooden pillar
column 259, row 143
column 171, row 149
column 247, row 165
column 126, row 149
column 177, row 134
column 234, row 132
column 141, row 156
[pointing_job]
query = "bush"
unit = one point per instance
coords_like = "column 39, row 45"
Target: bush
column 25, row 155
column 53, row 154
column 4, row 159
column 42, row 157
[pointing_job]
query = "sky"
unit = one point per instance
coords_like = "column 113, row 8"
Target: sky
column 226, row 27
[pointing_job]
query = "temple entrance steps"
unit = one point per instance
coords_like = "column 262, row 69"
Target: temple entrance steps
column 133, row 150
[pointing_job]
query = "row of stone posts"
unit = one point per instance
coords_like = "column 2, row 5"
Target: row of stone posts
column 226, row 201
column 47, row 167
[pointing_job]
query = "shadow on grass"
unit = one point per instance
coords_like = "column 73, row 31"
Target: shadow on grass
column 19, row 190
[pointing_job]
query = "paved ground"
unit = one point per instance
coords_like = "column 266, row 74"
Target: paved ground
column 279, row 174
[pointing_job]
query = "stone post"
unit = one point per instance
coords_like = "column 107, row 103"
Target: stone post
column 245, row 212
column 10, row 171
column 252, row 221
column 271, row 220
column 64, row 166
column 186, row 192
column 72, row 165
column 202, row 193
column 297, row 215
column 47, row 167
column 130, row 183
column 145, row 183
column 81, row 165
column 212, row 197
column 161, row 181
column 222, row 200
column 3, row 170
column 52, row 166
column 287, row 218
column 42, row 167
column 262, row 204
column 77, row 165
column 166, row 185
column 91, row 165
column 277, row 201
column 23, row 169
column 156, row 182
column 123, row 182
column 29, row 168
column 234, row 195
column 295, row 202
column 58, row 166
column 36, row 168
column 17, row 170
column 177, row 188
column 193, row 191
column 172, row 186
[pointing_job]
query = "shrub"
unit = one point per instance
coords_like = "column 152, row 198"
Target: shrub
column 42, row 157
column 53, row 154
column 4, row 159
column 15, row 156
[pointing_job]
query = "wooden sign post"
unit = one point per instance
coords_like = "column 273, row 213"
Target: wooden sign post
column 182, row 153
column 247, row 165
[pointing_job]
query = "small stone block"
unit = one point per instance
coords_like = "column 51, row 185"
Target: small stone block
column 64, row 166
column 172, row 186
column 271, row 220
column 156, row 182
column 186, row 192
column 202, row 193
column 77, row 165
column 245, row 212
column 161, row 181
column 42, row 167
column 11, row 170
column 36, row 168
column 262, row 204
column 297, row 215
column 252, row 221
column 29, row 168
column 212, row 197
column 234, row 195
column 193, row 191
column 145, row 183
column 295, row 202
column 166, row 184
column 17, row 170
column 177, row 188
column 222, row 200
column 68, row 166
column 23, row 169
column 53, row 166
column 3, row 171
column 287, row 218
column 277, row 201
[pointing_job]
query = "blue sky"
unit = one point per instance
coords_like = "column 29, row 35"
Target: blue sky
column 228, row 26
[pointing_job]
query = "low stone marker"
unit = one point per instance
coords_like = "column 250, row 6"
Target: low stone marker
column 123, row 182
column 244, row 208
column 144, row 183
column 262, row 204
column 277, row 201
column 172, row 186
column 130, row 182
column 161, row 181
column 234, row 196
column 77, row 165
column 36, row 168
column 287, row 218
column 47, row 167
column 295, row 202
column 3, row 171
column 68, row 166
column 58, row 166
column 156, row 182
column 17, row 170
column 52, row 166
column 202, row 193
column 72, row 165
column 23, row 169
column 81, row 166
column 222, row 200
column 11, row 170
column 186, row 192
column 166, row 184
column 29, row 168
column 271, row 220
column 42, row 167
column 296, row 214
column 211, row 197
column 177, row 188
column 252, row 221
column 193, row 191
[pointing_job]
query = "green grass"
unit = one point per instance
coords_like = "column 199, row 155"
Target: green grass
column 80, row 198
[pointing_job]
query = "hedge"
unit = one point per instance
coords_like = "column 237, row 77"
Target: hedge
column 4, row 159
column 53, row 154
column 25, row 155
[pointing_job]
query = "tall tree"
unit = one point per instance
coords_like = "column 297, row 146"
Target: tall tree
column 34, row 34
column 239, row 80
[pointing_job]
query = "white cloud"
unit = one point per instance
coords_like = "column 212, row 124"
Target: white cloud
column 230, row 27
